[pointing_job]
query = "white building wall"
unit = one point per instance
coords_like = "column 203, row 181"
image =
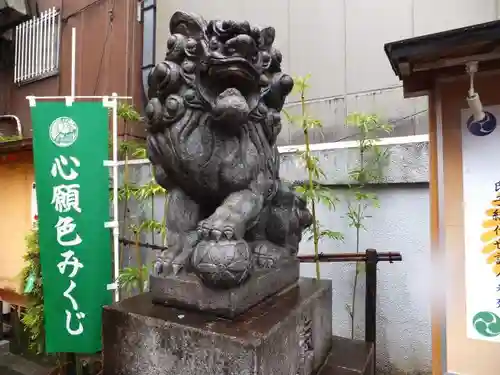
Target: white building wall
column 340, row 42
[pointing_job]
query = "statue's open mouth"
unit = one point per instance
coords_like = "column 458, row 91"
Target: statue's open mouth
column 224, row 74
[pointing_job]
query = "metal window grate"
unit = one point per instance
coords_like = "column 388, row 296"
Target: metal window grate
column 37, row 47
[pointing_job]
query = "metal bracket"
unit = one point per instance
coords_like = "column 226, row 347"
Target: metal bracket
column 111, row 224
column 110, row 163
column 31, row 100
column 110, row 102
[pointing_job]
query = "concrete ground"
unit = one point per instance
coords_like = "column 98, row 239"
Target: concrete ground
column 11, row 364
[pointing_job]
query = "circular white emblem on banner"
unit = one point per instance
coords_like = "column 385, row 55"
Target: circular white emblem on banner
column 63, row 131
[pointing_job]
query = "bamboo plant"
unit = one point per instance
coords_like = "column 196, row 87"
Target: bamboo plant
column 372, row 160
column 32, row 318
column 312, row 191
column 135, row 277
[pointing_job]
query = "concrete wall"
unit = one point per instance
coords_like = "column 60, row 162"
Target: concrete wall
column 401, row 224
column 340, row 42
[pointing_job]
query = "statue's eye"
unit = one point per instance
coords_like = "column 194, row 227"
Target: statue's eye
column 172, row 105
column 191, row 45
column 266, row 58
column 226, row 25
column 214, row 44
column 171, row 42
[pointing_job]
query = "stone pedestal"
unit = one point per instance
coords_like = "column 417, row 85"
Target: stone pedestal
column 187, row 290
column 287, row 334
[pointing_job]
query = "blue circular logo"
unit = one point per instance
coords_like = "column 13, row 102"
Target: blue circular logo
column 483, row 127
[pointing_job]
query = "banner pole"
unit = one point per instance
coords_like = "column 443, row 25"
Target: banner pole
column 73, row 61
column 116, row 230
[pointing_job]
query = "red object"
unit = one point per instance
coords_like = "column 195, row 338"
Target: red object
column 35, row 218
column 9, row 157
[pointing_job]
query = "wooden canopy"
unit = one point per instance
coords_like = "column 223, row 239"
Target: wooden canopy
column 418, row 61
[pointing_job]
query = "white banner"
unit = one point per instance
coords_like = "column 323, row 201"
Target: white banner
column 481, row 185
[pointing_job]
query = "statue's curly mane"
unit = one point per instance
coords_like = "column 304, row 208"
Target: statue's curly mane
column 214, row 104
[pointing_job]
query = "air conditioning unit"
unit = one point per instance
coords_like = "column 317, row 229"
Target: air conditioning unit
column 13, row 12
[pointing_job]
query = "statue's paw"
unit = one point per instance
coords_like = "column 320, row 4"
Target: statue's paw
column 218, row 226
column 267, row 255
column 165, row 264
column 181, row 260
column 162, row 267
column 158, row 267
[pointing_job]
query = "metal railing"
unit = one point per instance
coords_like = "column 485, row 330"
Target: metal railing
column 37, row 45
column 371, row 258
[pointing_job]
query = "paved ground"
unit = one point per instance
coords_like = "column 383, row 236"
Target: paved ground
column 15, row 365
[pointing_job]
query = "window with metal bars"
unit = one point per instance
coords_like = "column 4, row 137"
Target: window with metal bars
column 37, row 47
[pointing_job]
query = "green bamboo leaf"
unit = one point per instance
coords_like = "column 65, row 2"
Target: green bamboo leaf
column 140, row 153
column 130, row 278
column 294, row 120
column 360, row 267
column 337, row 236
column 127, row 112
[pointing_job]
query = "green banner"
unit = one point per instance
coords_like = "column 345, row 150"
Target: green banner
column 70, row 144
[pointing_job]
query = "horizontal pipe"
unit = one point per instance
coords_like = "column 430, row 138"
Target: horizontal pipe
column 323, row 258
column 126, row 242
column 349, row 257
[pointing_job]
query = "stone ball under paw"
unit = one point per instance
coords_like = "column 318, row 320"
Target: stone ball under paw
column 222, row 264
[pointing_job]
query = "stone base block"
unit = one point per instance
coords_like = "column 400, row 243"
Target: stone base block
column 288, row 334
column 187, row 291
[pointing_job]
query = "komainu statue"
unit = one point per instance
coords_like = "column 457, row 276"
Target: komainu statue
column 213, row 119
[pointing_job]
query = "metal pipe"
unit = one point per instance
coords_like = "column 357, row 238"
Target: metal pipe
column 323, row 258
column 18, row 123
column 73, row 61
column 350, row 257
column 372, row 258
column 116, row 230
